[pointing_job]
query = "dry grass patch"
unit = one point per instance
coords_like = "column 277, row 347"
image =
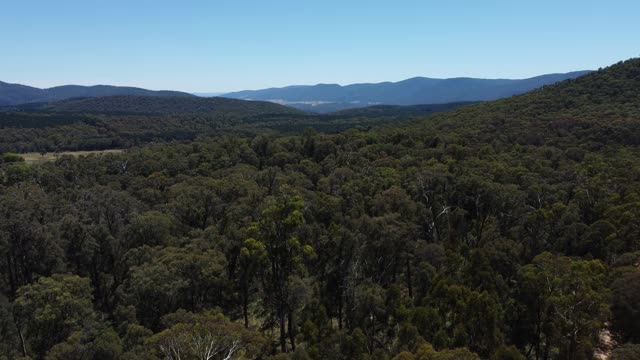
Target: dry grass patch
column 34, row 158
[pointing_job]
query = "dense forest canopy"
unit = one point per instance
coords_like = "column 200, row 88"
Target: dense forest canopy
column 501, row 230
column 128, row 121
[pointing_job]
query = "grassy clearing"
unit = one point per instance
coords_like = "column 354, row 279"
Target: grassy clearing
column 34, row 158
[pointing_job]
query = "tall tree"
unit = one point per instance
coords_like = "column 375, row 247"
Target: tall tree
column 277, row 232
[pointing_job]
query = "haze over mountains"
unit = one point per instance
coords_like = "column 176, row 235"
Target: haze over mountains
column 15, row 94
column 418, row 90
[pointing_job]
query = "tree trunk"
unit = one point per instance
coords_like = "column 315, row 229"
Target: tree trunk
column 409, row 278
column 538, row 338
column 283, row 333
column 547, row 349
column 340, row 310
column 12, row 278
column 292, row 335
column 245, row 307
column 22, row 343
column 572, row 346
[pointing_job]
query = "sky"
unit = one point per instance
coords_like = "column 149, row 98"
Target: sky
column 217, row 46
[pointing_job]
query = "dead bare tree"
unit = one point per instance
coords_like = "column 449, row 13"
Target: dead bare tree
column 200, row 344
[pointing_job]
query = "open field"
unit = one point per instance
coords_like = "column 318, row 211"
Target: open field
column 34, row 158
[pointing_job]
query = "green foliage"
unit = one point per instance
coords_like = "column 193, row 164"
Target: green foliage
column 15, row 173
column 55, row 310
column 626, row 306
column 11, row 158
column 173, row 278
column 565, row 296
column 284, row 256
column 427, row 352
column 508, row 353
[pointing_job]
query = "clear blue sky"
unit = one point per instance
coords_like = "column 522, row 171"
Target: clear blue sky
column 234, row 44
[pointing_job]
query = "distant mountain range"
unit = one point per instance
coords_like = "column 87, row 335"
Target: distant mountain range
column 322, row 98
column 418, row 90
column 14, row 94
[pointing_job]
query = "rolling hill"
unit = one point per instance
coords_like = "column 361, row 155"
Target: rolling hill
column 589, row 112
column 125, row 121
column 166, row 105
column 398, row 110
column 15, row 94
column 414, row 91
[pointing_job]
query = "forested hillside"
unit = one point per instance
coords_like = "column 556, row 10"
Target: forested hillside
column 501, row 230
column 155, row 105
column 127, row 121
column 395, row 110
